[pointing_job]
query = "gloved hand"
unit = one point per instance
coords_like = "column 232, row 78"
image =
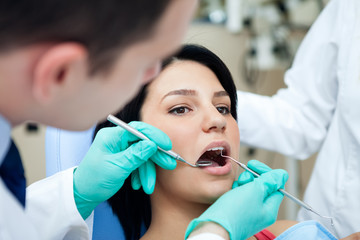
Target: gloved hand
column 248, row 208
column 113, row 156
column 246, row 176
column 145, row 175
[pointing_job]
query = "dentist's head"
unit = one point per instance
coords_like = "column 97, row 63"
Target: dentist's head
column 70, row 63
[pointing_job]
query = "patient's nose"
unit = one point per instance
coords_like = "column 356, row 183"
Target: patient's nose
column 214, row 120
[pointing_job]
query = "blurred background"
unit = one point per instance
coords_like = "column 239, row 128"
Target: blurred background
column 257, row 39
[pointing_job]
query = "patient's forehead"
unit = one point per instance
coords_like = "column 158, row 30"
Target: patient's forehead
column 186, row 74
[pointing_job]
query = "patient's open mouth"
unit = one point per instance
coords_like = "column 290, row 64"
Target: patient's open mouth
column 214, row 156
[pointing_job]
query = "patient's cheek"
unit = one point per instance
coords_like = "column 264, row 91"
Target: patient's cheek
column 236, row 176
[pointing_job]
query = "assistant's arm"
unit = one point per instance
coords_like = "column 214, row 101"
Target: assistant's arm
column 294, row 122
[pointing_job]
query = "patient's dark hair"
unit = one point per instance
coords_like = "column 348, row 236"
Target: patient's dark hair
column 103, row 27
column 132, row 207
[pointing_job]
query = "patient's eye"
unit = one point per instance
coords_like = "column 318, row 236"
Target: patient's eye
column 179, row 110
column 223, row 110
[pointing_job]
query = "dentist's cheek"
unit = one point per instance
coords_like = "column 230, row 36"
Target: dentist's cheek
column 151, row 73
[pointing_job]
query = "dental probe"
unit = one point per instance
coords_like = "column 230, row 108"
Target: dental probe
column 120, row 123
column 295, row 199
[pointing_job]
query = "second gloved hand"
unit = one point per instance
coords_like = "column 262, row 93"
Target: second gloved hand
column 113, row 156
column 249, row 207
column 246, row 176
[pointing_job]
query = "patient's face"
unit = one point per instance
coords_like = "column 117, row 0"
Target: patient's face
column 188, row 103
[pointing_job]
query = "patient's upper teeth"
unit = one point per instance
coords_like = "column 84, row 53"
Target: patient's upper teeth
column 215, row 149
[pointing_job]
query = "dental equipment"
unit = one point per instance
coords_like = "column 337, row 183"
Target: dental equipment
column 293, row 198
column 132, row 130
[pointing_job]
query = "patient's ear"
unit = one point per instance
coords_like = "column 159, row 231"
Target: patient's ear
column 52, row 71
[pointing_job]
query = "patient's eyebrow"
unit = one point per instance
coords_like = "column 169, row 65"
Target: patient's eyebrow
column 183, row 92
column 190, row 92
column 221, row 94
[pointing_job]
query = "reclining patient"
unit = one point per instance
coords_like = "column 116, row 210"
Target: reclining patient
column 193, row 100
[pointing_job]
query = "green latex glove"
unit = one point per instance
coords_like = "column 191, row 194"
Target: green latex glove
column 248, row 208
column 113, row 156
column 142, row 177
column 246, row 176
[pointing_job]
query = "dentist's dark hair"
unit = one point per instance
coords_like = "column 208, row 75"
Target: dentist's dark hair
column 105, row 28
column 132, row 207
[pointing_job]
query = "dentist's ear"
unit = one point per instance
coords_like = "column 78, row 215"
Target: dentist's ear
column 51, row 71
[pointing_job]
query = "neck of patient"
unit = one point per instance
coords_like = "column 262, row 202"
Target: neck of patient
column 171, row 216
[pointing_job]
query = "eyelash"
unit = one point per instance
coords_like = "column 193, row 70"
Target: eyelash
column 226, row 108
column 175, row 109
column 187, row 109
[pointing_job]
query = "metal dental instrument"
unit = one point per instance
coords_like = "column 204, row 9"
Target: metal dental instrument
column 293, row 198
column 132, row 130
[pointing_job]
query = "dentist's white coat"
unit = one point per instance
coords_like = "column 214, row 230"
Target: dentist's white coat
column 319, row 111
column 50, row 211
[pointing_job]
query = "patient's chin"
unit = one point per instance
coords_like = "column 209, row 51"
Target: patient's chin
column 214, row 193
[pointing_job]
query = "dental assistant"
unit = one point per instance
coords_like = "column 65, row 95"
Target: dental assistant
column 318, row 111
column 63, row 64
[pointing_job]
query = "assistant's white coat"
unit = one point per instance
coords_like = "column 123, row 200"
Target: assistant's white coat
column 319, row 111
